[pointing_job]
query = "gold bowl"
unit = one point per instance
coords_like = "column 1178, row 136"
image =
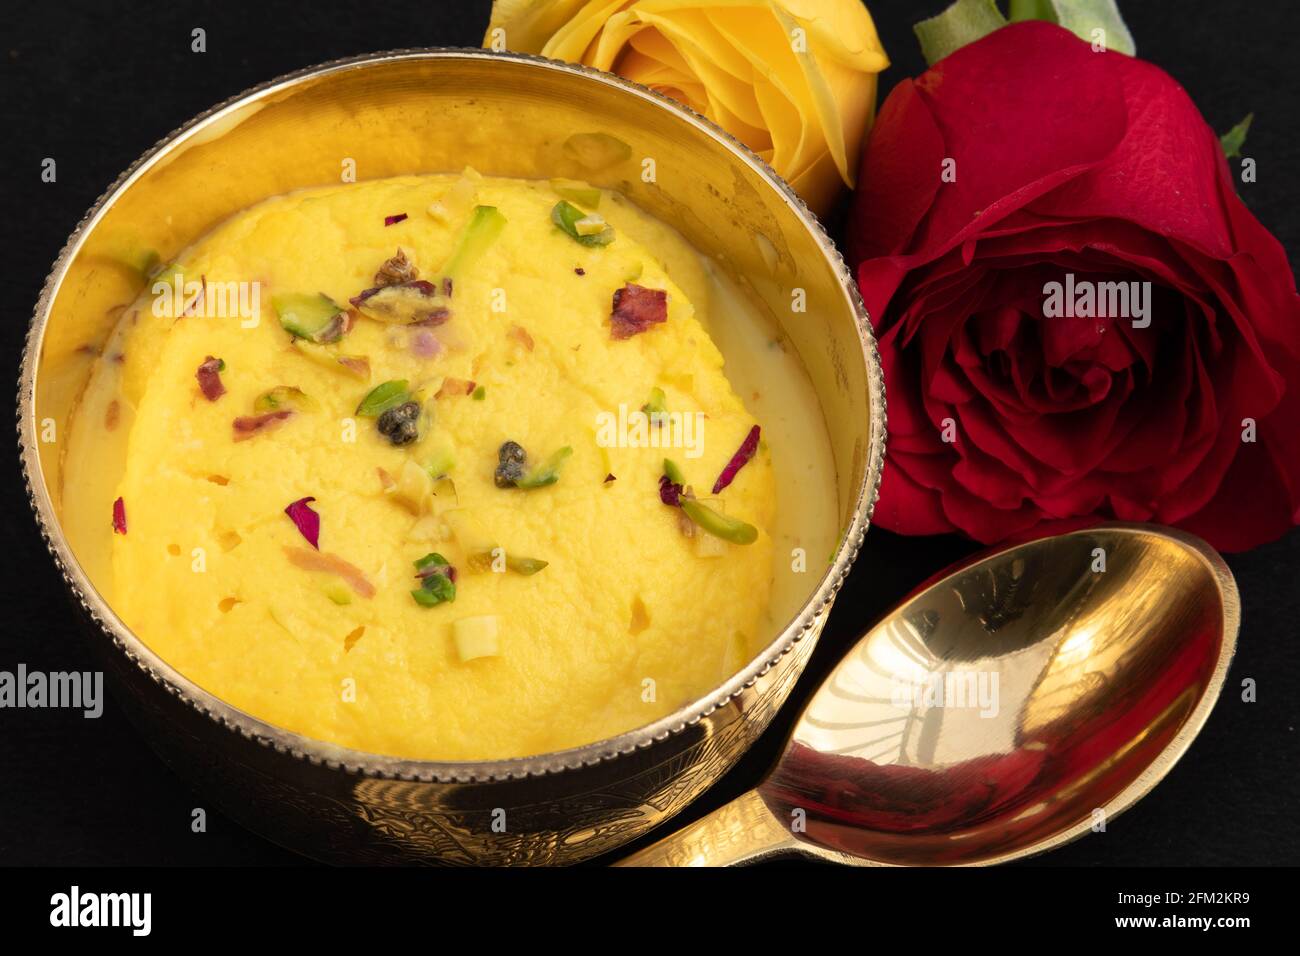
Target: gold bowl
column 438, row 110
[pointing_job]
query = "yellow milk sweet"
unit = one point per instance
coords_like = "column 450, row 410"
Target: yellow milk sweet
column 567, row 602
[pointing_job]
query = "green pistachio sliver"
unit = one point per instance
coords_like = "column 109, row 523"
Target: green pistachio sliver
column 547, row 473
column 437, row 589
column 575, row 190
column 592, row 224
column 566, row 217
column 657, row 405
column 673, row 471
column 481, row 562
column 525, row 566
column 306, row 316
column 441, row 464
column 718, row 524
column 430, row 560
column 479, row 393
column 383, row 397
column 284, row 396
column 483, row 229
column 338, row 594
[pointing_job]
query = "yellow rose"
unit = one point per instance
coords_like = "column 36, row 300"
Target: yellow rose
column 795, row 80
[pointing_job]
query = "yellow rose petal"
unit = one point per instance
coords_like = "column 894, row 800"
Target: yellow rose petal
column 823, row 99
column 758, row 34
column 843, row 31
column 528, row 24
column 570, row 42
column 728, row 94
column 619, row 29
column 795, row 80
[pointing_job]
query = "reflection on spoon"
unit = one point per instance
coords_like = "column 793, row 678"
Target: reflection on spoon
column 1010, row 706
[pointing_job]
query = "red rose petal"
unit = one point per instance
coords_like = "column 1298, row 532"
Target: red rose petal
column 738, row 461
column 1069, row 161
column 306, row 520
column 119, row 516
column 209, row 376
column 670, row 493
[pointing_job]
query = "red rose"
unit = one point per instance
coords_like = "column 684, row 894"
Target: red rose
column 1097, row 166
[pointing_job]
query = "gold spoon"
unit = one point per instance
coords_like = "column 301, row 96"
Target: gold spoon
column 1015, row 703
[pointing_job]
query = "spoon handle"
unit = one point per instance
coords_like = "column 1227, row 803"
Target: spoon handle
column 742, row 831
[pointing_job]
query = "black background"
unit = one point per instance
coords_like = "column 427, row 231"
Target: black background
column 94, row 85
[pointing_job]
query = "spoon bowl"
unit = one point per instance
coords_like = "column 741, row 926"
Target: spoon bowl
column 1010, row 705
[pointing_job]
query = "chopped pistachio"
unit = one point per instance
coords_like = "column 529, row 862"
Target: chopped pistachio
column 479, row 393
column 357, row 366
column 592, row 224
column 478, row 236
column 657, row 407
column 432, row 560
column 284, row 396
column 715, row 523
column 566, row 217
column 547, row 473
column 338, row 594
column 307, row 316
column 674, row 472
column 438, row 585
column 480, row 562
column 437, row 589
column 383, row 397
column 442, row 462
column 525, row 566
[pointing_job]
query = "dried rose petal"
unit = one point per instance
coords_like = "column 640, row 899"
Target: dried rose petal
column 394, row 220
column 306, row 520
column 738, row 461
column 209, row 376
column 670, row 493
column 333, row 564
column 636, row 308
column 610, row 477
column 119, row 516
column 246, row 426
